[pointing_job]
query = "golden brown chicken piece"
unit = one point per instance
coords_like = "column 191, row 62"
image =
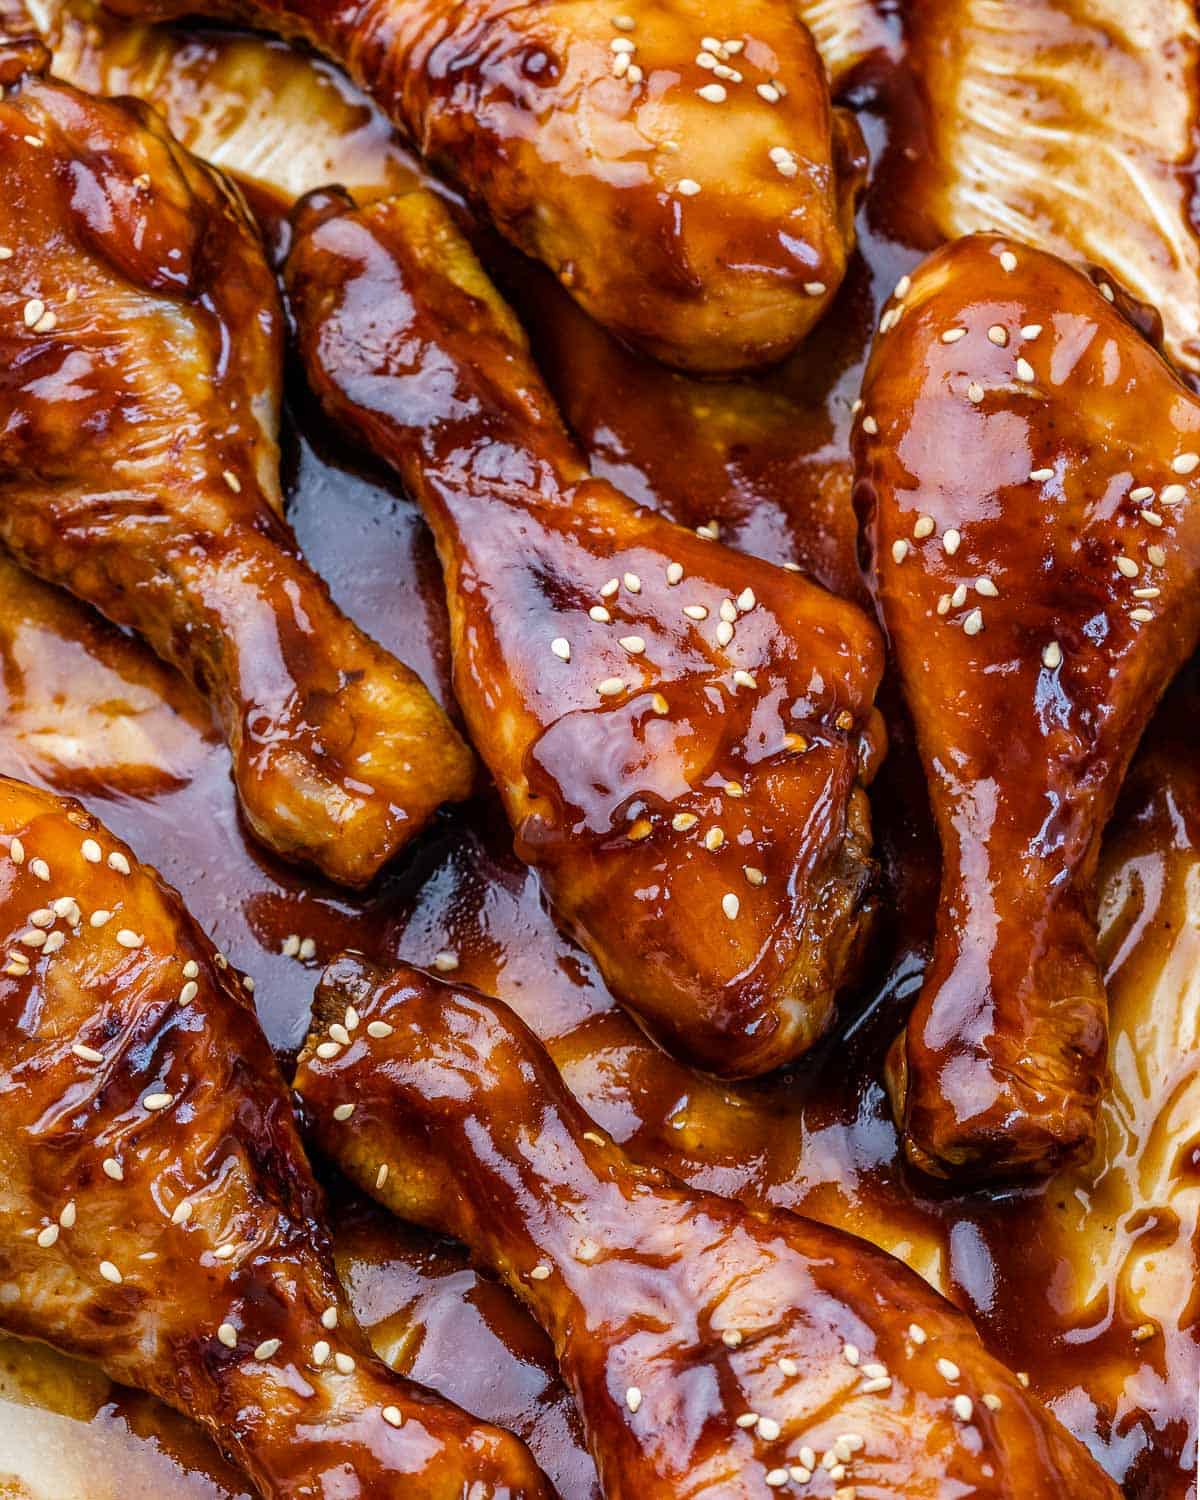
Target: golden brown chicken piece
column 140, row 366
column 680, row 733
column 159, row 1216
column 1028, row 466
column 713, row 1350
column 694, row 192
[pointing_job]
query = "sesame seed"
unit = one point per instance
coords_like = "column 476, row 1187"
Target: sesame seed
column 445, row 962
column 924, row 527
column 747, row 1419
column 33, row 140
column 1008, row 260
column 561, row 648
column 320, row 1352
column 33, row 310
column 47, row 1237
column 68, row 908
column 987, row 588
column 746, row 601
column 964, row 1408
column 329, row 1317
column 1151, row 517
column 5, row 252
column 767, row 91
column 382, row 1175
column 267, row 1349
column 1150, row 593
column 902, row 287
column 53, row 943
column 943, row 604
column 850, row 1354
column 731, row 1338
column 950, row 541
column 873, row 1387
column 1023, row 1379
column 1127, row 567
column 1052, row 655
column 811, row 288
column 610, row 687
column 156, row 1102
column 730, row 905
column 998, row 334
column 889, row 320
column 610, row 588
column 43, row 917
column 32, row 938
column 633, row 1398
column 339, row 1034
column 343, row 1112
column 118, row 862
column 744, row 679
column 753, row 875
column 391, row 1415
column 1156, row 556
column 1106, row 291
column 378, row 1029
column 799, row 1473
column 39, row 869
column 633, row 583
column 112, row 1168
column 344, row 1363
column 1031, row 330
column 768, row 1429
column 327, row 1050
column 1185, row 463
column 1038, row 475
column 189, row 992
column 182, row 1212
column 622, row 44
column 899, row 550
column 874, row 1370
column 991, row 1401
column 100, row 918
column 540, row 1273
column 68, row 1215
column 1142, row 492
column 681, row 822
column 307, row 947
column 870, row 426
column 728, row 610
column 808, row 1457
column 952, row 335
column 1172, row 494
column 687, row 187
column 291, row 945
column 1142, row 616
column 775, row 1477
column 695, row 611
column 975, row 392
column 87, row 1054
column 110, row 1272
column 227, row 1334
column 948, row 1369
column 1025, row 371
column 599, row 614
column 16, row 851
column 128, row 939
column 634, row 644
column 709, row 532
column 714, row 838
column 973, row 624
column 724, row 633
column 848, row 1444
column 674, row 572
column 624, row 23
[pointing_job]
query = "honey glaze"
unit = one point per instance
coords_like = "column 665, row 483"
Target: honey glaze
column 1086, row 1283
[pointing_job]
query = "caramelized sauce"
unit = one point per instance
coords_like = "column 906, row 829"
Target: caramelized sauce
column 1087, row 1283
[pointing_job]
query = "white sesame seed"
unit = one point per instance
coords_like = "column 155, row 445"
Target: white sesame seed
column 681, row 822
column 998, row 334
column 754, row 875
column 1151, row 517
column 39, row 869
column 695, row 611
column 975, row 392
column 709, row 531
column 445, row 962
column 768, row 1429
column 1038, row 475
column 767, row 91
column 1031, row 330
column 952, row 335
column 87, row 1054
column 128, row 939
column 964, row 1408
column 789, row 1367
column 48, row 1236
column 674, row 572
column 724, row 633
column 43, row 917
column 1185, row 463
column 870, row 426
column 5, row 252
column 1025, row 371
column 731, row 1338
column 950, row 541
column 624, row 23
column 744, row 679
column 610, row 687
column 714, row 838
column 344, row 1363
column 118, row 862
column 610, row 588
column 1142, row 616
column 339, row 1034
column 267, row 1349
column 32, row 938
column 1142, row 492
column 923, row 527
column 378, row 1029
column 959, row 597
column 746, row 601
column 1172, row 494
column 948, row 1369
column 68, row 1215
column 687, row 187
column 156, row 1102
column 182, row 1212
column 811, row 288
column 713, row 93
column 634, row 644
column 730, row 905
column 16, row 851
column 343, row 1112
column 227, row 1334
column 808, row 1457
column 382, row 1175
column 1106, row 291
column 747, row 1419
column 329, row 1318
column 1127, row 567
column 899, row 550
column 53, row 943
column 851, row 1355
column 1149, row 593
column 902, row 287
column 874, row 1370
column 291, row 945
column 599, row 614
column 1052, row 656
column 728, row 610
column 872, row 1387
column 621, row 44
column 320, row 1352
column 800, row 1474
column 33, row 311
column 973, row 624
column 189, row 992
column 991, row 1401
column 987, row 588
column 633, row 1398
column 327, row 1050
column 1008, row 260
column 112, row 1168
column 110, row 1272
column 1156, row 556
column 775, row 1477
column 540, row 1273
column 392, row 1416
column 100, row 918
column 561, row 648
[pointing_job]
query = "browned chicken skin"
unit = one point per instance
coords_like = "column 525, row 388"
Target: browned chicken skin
column 694, row 192
column 712, row 1349
column 1027, row 464
column 680, row 733
column 159, row 1216
column 140, row 365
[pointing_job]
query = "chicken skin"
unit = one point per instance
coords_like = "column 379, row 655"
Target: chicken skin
column 694, row 192
column 140, row 367
column 680, row 734
column 1027, row 467
column 712, row 1349
column 159, row 1216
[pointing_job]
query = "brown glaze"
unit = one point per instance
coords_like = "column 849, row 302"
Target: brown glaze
column 712, row 1349
column 689, row 787
column 160, row 1217
column 629, row 154
column 1023, row 460
column 140, row 365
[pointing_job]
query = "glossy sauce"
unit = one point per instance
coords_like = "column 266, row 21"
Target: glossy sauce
column 1060, row 1277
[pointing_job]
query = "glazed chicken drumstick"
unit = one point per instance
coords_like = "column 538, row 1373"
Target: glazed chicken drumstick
column 694, row 192
column 1028, row 467
column 680, row 733
column 140, row 368
column 159, row 1216
column 713, row 1350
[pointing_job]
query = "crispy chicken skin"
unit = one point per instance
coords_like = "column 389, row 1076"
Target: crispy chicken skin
column 159, row 1216
column 140, row 367
column 680, row 733
column 1027, row 466
column 712, row 1349
column 698, row 201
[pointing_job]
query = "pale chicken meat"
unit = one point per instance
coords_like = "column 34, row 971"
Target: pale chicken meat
column 140, row 371
column 1027, row 468
column 159, row 1215
column 680, row 734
